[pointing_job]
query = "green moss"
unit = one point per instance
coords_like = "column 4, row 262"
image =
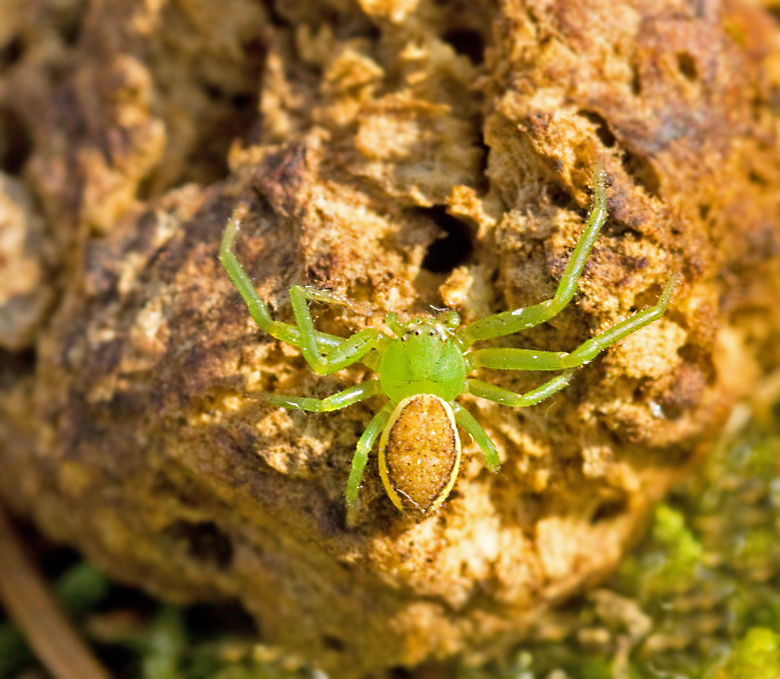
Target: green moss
column 676, row 563
column 82, row 587
column 757, row 656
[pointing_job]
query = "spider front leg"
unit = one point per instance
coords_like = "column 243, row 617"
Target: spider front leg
column 349, row 351
column 257, row 308
column 529, row 359
column 509, row 322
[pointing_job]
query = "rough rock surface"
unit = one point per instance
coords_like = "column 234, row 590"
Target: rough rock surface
column 408, row 154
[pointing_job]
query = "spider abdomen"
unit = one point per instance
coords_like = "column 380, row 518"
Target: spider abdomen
column 419, row 453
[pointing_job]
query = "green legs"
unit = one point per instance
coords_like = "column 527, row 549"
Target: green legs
column 350, row 351
column 355, row 394
column 510, row 322
column 529, row 359
column 364, row 446
column 505, row 397
column 464, row 418
column 323, row 352
column 257, row 308
column 342, row 399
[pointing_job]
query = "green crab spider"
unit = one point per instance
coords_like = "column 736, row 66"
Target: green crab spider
column 423, row 367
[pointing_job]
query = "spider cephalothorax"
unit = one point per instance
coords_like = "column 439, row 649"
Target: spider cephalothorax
column 423, row 366
column 423, row 358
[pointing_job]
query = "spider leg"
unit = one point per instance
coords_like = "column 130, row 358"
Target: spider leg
column 372, row 360
column 509, row 398
column 464, row 418
column 515, row 359
column 528, row 359
column 349, row 351
column 373, row 357
column 509, row 322
column 341, row 399
column 364, row 446
column 355, row 394
column 257, row 308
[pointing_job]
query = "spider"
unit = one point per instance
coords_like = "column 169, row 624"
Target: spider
column 422, row 368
